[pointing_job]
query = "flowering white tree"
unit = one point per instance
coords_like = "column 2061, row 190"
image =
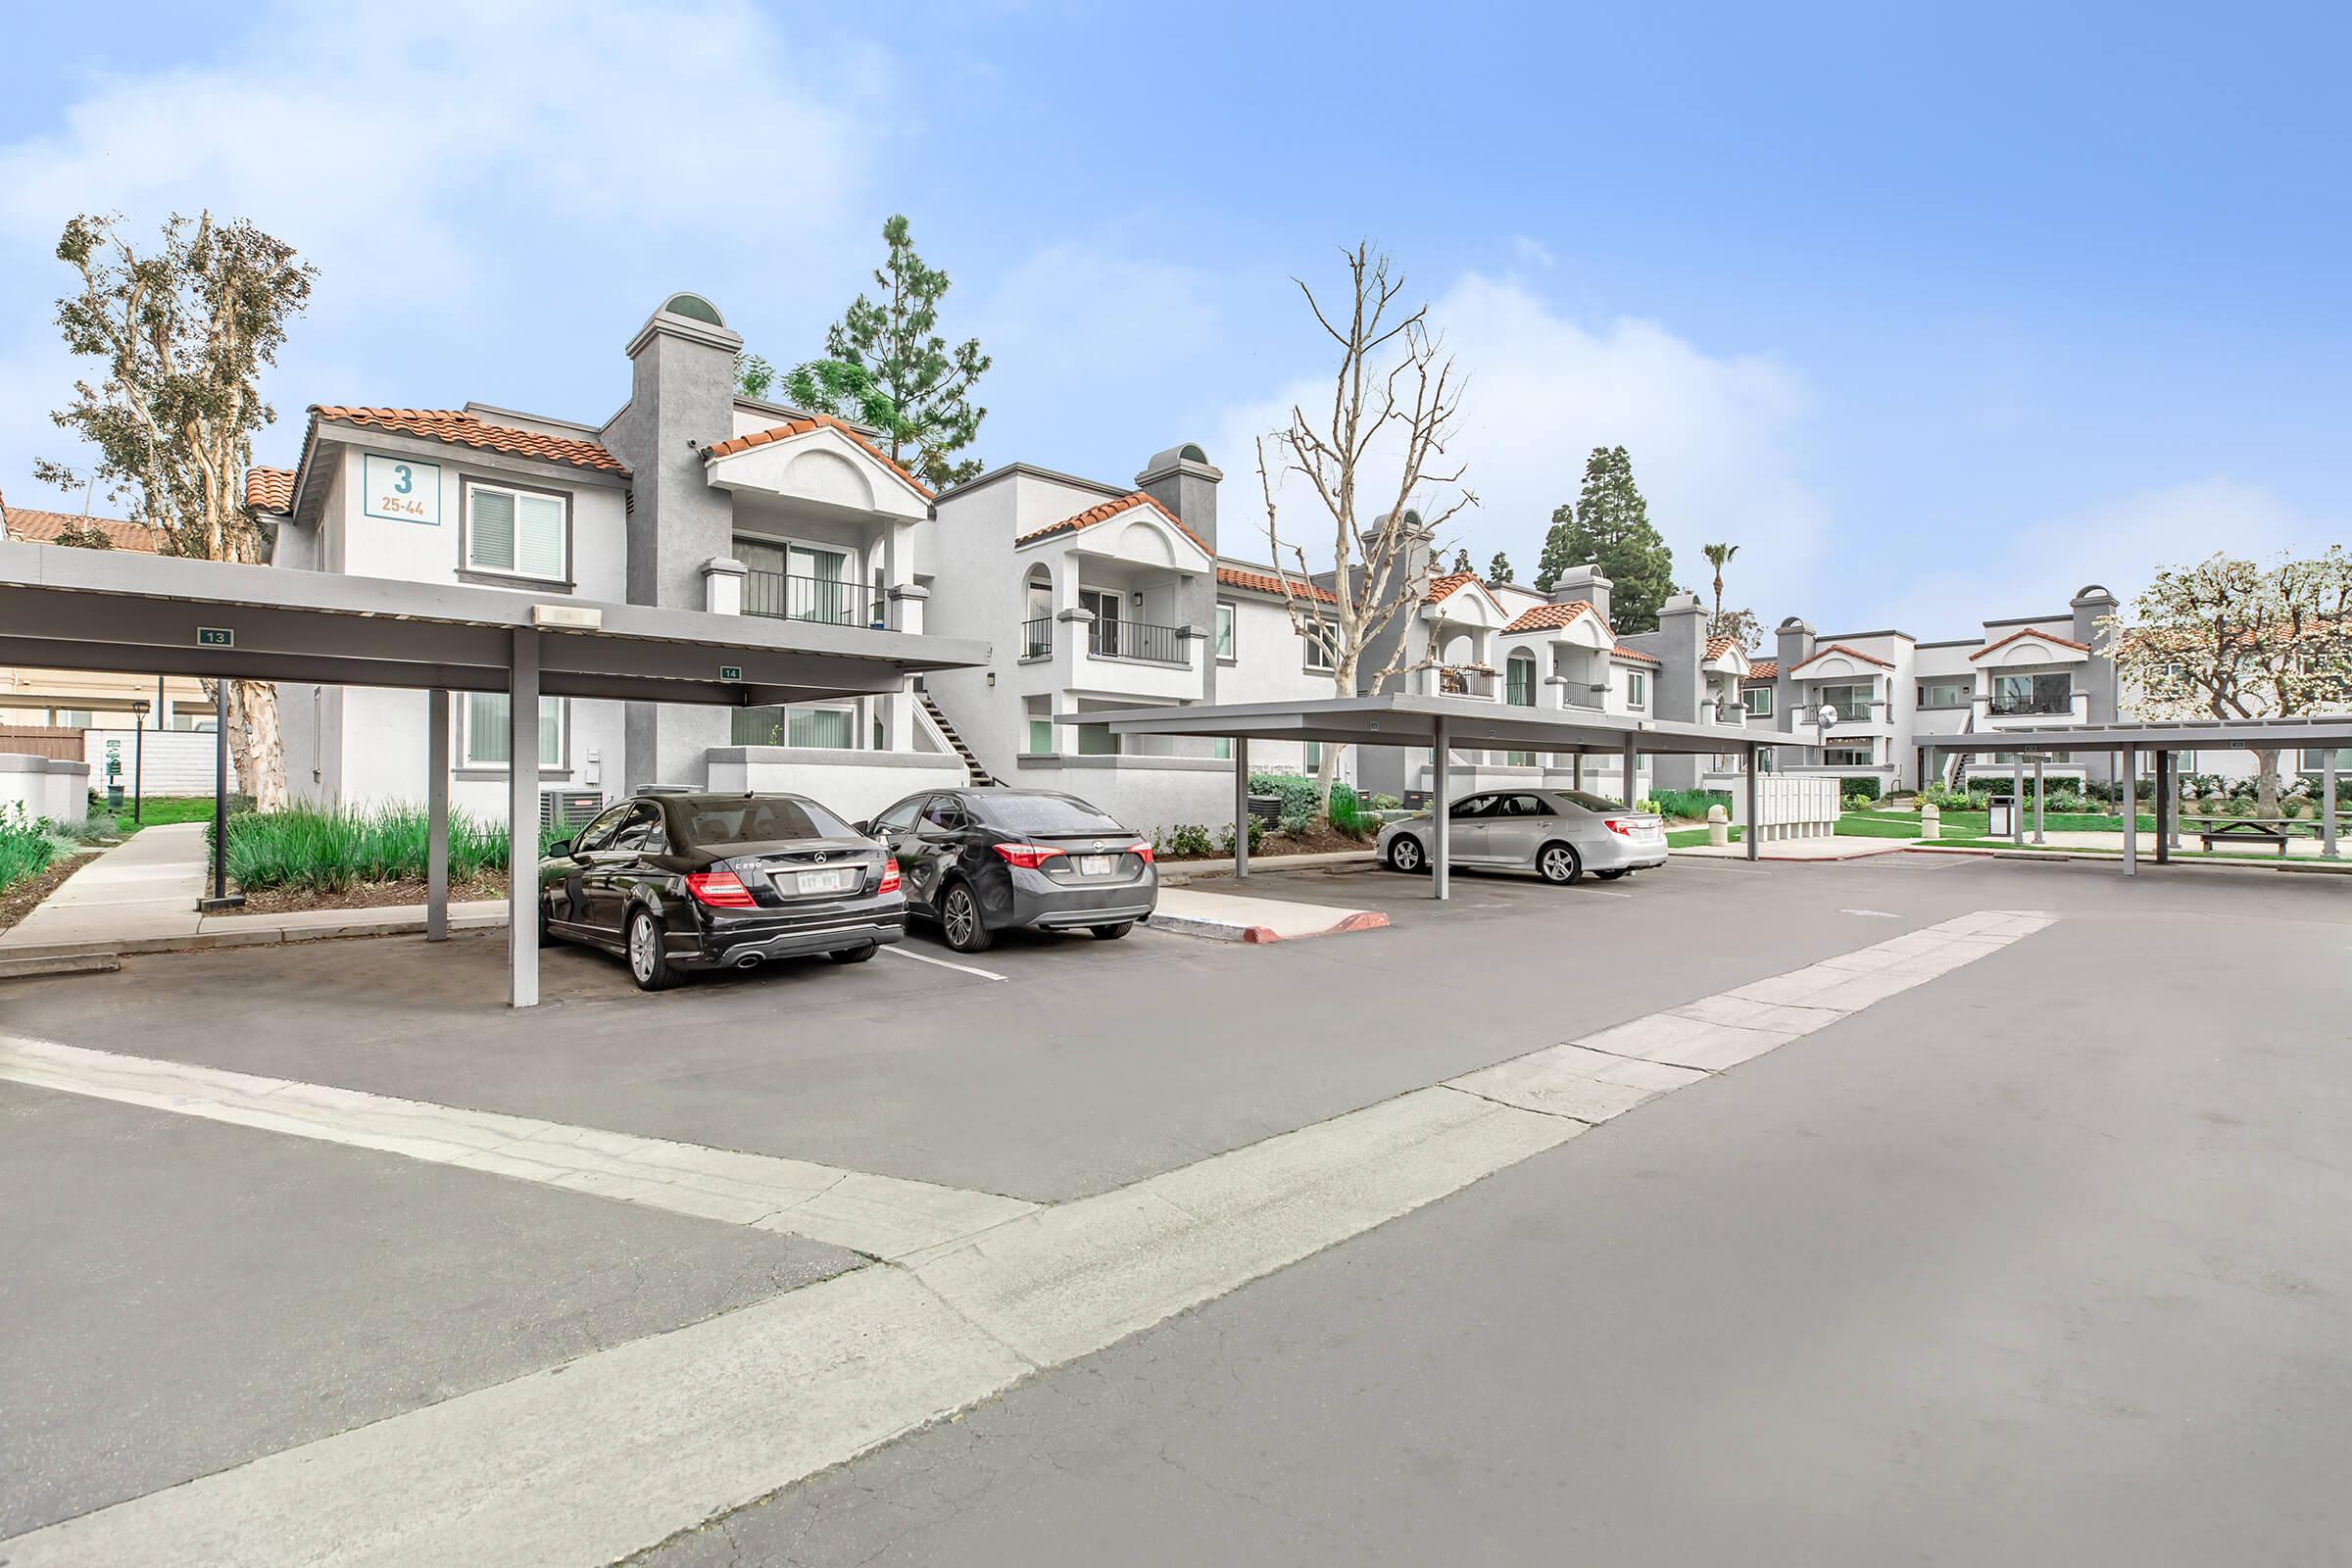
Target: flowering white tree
column 1379, row 447
column 2229, row 638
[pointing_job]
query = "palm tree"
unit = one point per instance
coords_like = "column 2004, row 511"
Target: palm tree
column 1718, row 556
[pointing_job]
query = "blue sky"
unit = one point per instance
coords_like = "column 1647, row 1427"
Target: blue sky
column 1938, row 315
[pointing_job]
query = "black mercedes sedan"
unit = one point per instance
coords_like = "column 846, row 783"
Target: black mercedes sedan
column 981, row 860
column 673, row 881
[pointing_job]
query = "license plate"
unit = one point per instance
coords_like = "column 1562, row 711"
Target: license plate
column 835, row 881
column 1095, row 864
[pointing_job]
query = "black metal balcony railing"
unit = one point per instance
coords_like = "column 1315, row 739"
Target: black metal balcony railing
column 2032, row 707
column 1860, row 712
column 781, row 596
column 1137, row 639
column 1037, row 637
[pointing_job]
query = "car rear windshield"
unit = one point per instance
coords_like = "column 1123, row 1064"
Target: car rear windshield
column 757, row 819
column 1591, row 803
column 1045, row 813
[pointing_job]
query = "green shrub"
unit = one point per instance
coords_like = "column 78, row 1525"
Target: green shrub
column 1189, row 838
column 1386, row 803
column 1348, row 814
column 1691, row 804
column 26, row 848
column 1298, row 793
column 1258, row 834
column 1866, row 788
column 304, row 846
column 89, row 830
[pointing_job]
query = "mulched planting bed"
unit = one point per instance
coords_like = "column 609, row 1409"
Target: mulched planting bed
column 368, row 894
column 1321, row 838
column 24, row 896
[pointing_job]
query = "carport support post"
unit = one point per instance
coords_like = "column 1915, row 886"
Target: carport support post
column 2017, row 799
column 1440, row 802
column 2164, row 838
column 2328, row 802
column 1754, row 833
column 436, row 816
column 2129, row 795
column 2039, row 793
column 1631, row 762
column 523, row 821
column 1240, row 805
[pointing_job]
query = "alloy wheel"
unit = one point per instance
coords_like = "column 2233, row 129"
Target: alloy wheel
column 641, row 947
column 959, row 917
column 1559, row 864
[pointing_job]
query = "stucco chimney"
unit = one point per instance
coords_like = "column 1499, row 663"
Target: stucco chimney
column 1586, row 582
column 2090, row 605
column 1183, row 480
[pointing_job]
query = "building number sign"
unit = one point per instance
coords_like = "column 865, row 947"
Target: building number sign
column 400, row 490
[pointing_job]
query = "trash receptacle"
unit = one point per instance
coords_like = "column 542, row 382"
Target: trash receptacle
column 2001, row 817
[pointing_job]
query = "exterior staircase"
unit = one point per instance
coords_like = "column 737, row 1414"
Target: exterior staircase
column 947, row 732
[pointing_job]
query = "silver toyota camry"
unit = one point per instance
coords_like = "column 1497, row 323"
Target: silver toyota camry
column 1557, row 834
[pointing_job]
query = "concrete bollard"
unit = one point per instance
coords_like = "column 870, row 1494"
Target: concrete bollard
column 1930, row 822
column 1719, row 826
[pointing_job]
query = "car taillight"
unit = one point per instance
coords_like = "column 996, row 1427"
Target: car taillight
column 721, row 890
column 889, row 876
column 1028, row 856
column 1140, row 850
column 1618, row 825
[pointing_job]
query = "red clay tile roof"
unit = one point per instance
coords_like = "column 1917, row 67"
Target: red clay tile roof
column 1840, row 647
column 2028, row 631
column 802, row 427
column 270, row 489
column 1446, row 586
column 1717, row 647
column 463, row 428
column 1622, row 652
column 1763, row 669
column 1112, row 509
column 1266, row 583
column 41, row 528
column 1541, row 618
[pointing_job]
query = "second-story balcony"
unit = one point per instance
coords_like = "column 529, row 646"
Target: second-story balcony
column 2037, row 705
column 835, row 602
column 1858, row 718
column 1140, row 639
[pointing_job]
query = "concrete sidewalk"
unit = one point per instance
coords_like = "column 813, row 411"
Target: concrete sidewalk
column 1240, row 918
column 146, row 886
column 1829, row 849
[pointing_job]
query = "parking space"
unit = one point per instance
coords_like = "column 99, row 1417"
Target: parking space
column 183, row 1295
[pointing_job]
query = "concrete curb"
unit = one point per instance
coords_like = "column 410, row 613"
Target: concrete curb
column 20, row 967
column 1179, row 872
column 2147, row 857
column 205, row 940
column 1234, row 931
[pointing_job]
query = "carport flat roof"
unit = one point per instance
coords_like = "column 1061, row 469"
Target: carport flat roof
column 68, row 608
column 1406, row 719
column 2177, row 735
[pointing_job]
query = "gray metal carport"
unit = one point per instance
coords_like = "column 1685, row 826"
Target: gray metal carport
column 67, row 608
column 2328, row 732
column 1403, row 718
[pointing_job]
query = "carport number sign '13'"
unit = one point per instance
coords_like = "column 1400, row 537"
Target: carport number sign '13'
column 400, row 490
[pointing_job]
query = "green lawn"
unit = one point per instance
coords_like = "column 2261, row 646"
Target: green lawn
column 1683, row 838
column 1957, row 824
column 2147, row 852
column 160, row 809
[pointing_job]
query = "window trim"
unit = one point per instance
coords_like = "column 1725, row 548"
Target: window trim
column 1228, row 612
column 1637, row 689
column 463, row 767
column 468, row 571
column 1747, row 693
column 1310, row 641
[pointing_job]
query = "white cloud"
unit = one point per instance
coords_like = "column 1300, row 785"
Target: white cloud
column 2035, row 567
column 465, row 171
column 1714, row 439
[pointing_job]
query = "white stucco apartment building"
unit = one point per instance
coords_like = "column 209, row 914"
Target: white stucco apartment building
column 1090, row 595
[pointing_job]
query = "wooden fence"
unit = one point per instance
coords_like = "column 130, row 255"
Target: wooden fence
column 41, row 740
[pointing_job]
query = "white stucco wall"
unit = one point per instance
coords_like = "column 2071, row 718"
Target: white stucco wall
column 48, row 788
column 1148, row 796
column 168, row 762
column 854, row 784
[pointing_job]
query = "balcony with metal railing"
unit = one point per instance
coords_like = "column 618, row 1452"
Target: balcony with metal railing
column 835, row 602
column 1140, row 639
column 1037, row 637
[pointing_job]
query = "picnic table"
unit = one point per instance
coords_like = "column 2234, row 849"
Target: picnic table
column 2248, row 830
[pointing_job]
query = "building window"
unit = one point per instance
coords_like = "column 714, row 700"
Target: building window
column 2033, row 694
column 1757, row 700
column 1221, row 747
column 1637, row 689
column 1846, row 756
column 516, row 533
column 1225, row 631
column 1518, row 758
column 1946, row 694
column 1851, row 701
column 1313, row 755
column 1519, row 686
column 1041, row 737
column 2312, row 759
column 1322, row 645
column 825, row 728
column 73, row 718
column 484, row 741
column 1097, row 740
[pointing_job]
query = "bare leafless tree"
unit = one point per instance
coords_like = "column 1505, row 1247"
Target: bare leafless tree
column 1395, row 400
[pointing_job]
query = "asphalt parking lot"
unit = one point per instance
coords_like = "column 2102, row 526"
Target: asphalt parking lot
column 2066, row 1229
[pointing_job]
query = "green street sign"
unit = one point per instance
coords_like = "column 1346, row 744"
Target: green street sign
column 730, row 673
column 216, row 637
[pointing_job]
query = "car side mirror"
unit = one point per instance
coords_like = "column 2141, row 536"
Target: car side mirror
column 863, row 830
column 559, row 849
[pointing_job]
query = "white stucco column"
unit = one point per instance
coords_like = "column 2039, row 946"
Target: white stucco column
column 2328, row 802
column 722, row 585
column 906, row 611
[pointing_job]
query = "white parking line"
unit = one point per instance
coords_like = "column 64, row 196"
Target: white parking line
column 597, row 1458
column 960, row 968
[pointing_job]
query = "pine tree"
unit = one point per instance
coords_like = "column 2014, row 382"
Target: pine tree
column 1558, row 556
column 1461, row 559
column 1611, row 525
column 1499, row 569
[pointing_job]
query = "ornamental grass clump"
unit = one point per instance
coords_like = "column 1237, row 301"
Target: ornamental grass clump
column 25, row 847
column 323, row 851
